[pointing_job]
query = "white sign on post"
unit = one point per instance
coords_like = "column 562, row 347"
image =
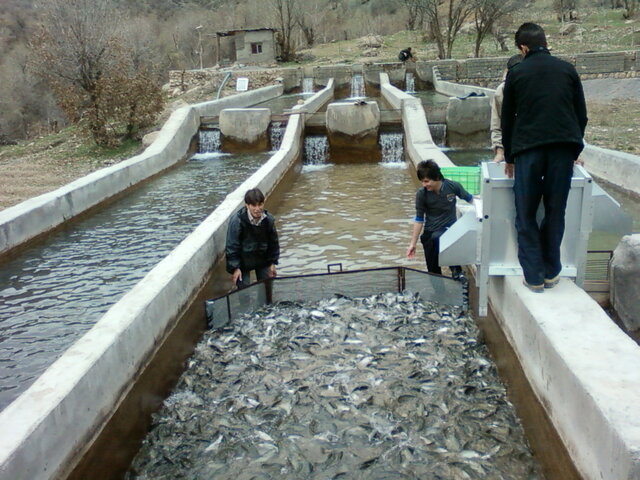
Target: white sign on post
column 242, row 84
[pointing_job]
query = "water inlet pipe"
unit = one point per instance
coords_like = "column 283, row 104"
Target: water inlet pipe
column 224, row 82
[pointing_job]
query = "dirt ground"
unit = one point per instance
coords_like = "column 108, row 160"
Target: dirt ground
column 45, row 164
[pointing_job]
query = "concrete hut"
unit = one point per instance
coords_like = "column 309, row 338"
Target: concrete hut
column 251, row 47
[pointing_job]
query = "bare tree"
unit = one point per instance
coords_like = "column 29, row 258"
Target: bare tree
column 309, row 20
column 445, row 18
column 284, row 12
column 486, row 15
column 565, row 9
column 81, row 52
column 631, row 8
column 415, row 14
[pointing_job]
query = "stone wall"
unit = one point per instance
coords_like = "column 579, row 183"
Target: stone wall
column 488, row 72
column 187, row 79
column 484, row 72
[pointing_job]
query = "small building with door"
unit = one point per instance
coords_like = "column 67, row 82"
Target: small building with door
column 251, row 47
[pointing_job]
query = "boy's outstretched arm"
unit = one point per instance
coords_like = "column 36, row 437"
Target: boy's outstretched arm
column 411, row 249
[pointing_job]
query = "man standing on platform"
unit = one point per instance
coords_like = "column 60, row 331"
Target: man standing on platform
column 544, row 116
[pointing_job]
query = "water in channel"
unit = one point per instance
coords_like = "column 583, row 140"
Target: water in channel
column 56, row 290
column 359, row 215
column 357, row 86
column 373, row 388
column 409, row 82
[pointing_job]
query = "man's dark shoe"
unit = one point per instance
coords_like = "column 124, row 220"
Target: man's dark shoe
column 533, row 288
column 551, row 282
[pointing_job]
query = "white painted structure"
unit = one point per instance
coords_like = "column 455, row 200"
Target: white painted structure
column 620, row 168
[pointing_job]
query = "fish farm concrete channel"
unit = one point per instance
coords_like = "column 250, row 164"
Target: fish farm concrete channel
column 54, row 291
column 111, row 452
column 328, row 213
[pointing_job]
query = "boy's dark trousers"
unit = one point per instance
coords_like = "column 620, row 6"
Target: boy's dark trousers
column 262, row 273
column 431, row 244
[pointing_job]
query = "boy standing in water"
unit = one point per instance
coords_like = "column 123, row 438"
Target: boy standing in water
column 436, row 212
column 252, row 241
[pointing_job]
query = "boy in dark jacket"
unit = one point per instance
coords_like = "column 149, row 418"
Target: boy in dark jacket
column 252, row 241
column 436, row 212
column 544, row 116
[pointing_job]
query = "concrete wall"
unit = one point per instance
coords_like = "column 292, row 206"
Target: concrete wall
column 619, row 168
column 489, row 71
column 486, row 72
column 417, row 138
column 53, row 420
column 583, row 369
column 182, row 80
column 38, row 215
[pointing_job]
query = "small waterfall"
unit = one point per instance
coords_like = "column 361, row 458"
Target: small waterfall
column 409, row 83
column 307, row 85
column 438, row 133
column 391, row 145
column 357, row 86
column 209, row 141
column 276, row 132
column 316, row 149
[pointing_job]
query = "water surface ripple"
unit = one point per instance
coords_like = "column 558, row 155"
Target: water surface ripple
column 56, row 290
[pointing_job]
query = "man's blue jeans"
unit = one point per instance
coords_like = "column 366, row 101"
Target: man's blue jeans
column 542, row 173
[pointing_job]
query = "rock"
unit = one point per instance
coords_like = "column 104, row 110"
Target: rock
column 370, row 41
column 625, row 281
column 468, row 29
column 149, row 138
column 568, row 28
column 371, row 52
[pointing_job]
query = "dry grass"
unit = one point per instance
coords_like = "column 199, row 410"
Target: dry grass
column 47, row 163
column 614, row 125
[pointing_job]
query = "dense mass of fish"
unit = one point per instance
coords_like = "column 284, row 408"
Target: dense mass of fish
column 384, row 387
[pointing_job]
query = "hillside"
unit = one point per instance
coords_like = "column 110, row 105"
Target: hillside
column 45, row 162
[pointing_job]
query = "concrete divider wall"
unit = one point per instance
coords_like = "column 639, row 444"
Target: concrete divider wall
column 418, row 142
column 620, row 168
column 457, row 89
column 38, row 215
column 583, row 369
column 54, row 420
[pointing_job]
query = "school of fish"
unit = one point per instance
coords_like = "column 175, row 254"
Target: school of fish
column 382, row 387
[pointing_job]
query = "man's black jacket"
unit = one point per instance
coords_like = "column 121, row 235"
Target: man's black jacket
column 251, row 246
column 543, row 104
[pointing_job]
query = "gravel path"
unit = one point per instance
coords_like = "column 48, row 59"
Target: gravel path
column 603, row 90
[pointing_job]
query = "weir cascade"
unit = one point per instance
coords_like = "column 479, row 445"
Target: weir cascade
column 148, row 314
